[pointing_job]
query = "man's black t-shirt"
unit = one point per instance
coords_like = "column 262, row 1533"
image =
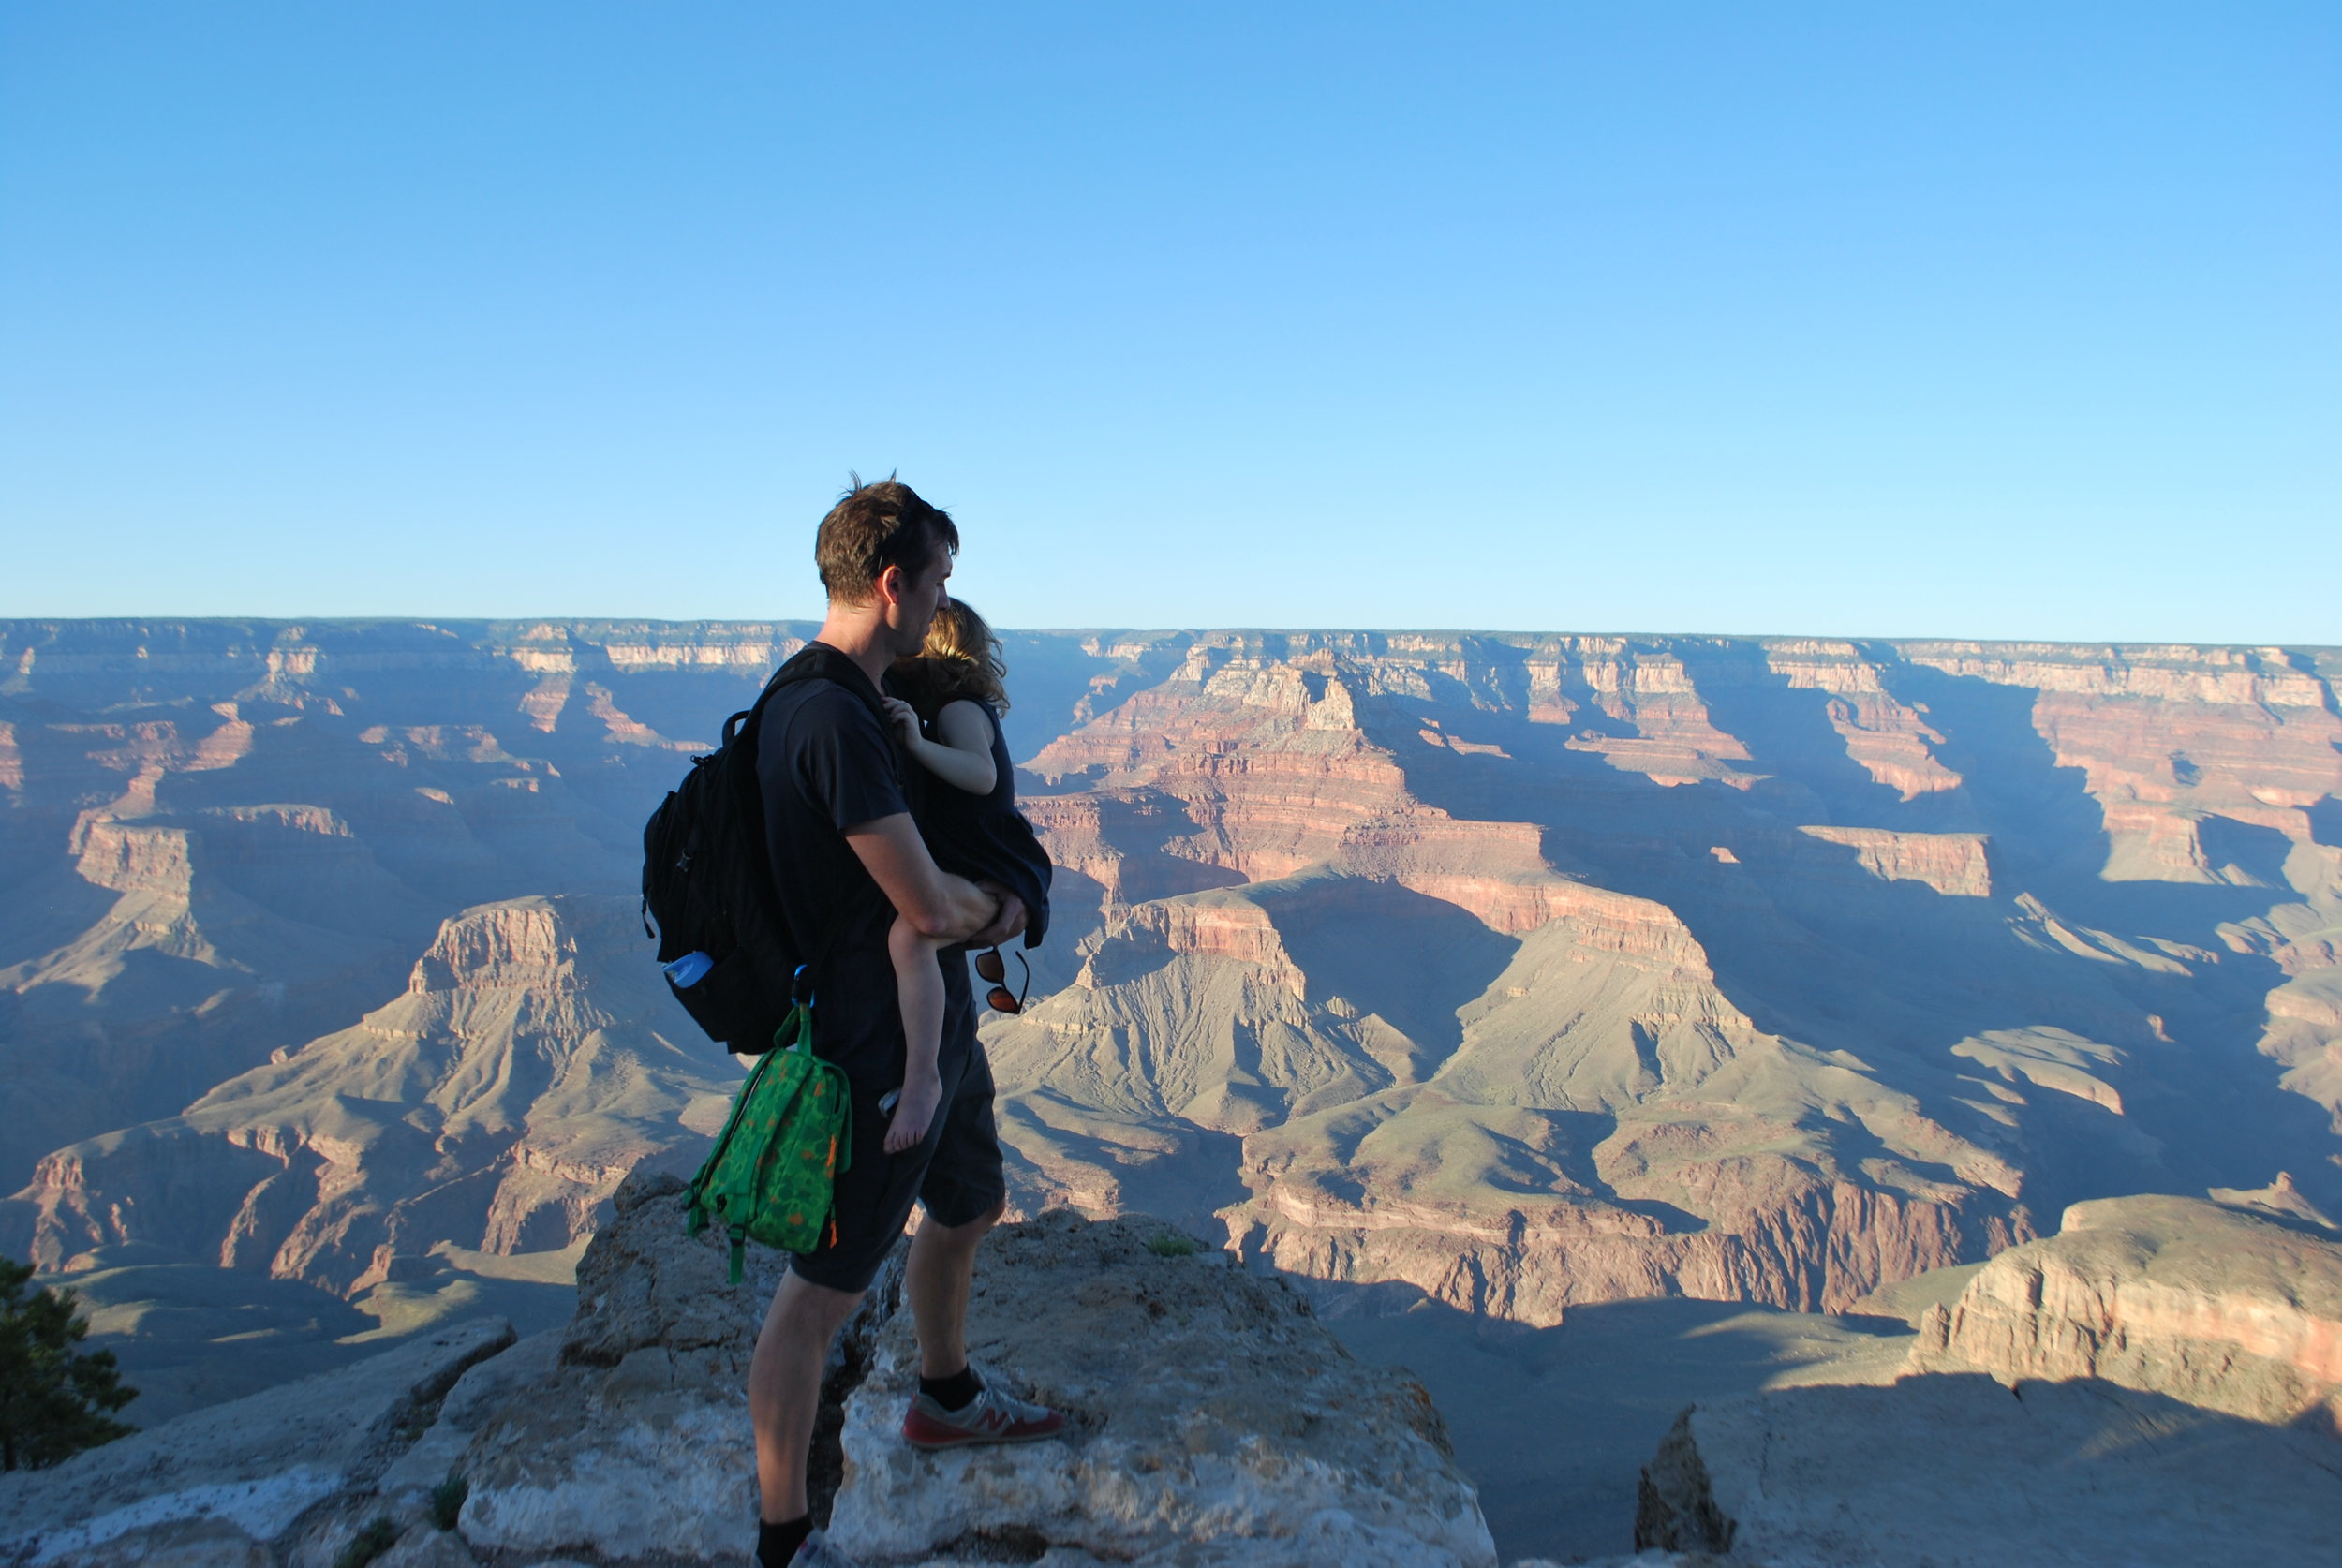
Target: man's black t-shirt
column 826, row 763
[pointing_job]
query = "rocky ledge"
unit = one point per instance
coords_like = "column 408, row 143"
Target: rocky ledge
column 2206, row 1302
column 1214, row 1421
column 279, row 1476
column 1215, row 1424
column 2156, row 1386
column 1956, row 1471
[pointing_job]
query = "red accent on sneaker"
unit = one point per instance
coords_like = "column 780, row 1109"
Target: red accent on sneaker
column 990, row 1418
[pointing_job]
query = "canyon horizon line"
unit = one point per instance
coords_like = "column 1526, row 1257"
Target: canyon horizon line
column 296, row 620
column 1772, row 969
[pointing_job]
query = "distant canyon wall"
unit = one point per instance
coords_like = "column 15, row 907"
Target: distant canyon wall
column 495, row 1104
column 1519, row 970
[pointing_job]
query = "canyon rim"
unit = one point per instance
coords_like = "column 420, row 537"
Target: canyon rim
column 1513, row 974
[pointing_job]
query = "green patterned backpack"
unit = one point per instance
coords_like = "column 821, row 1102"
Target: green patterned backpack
column 791, row 1132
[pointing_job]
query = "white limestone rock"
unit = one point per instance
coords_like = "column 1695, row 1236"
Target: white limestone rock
column 476, row 1397
column 1217, row 1423
column 224, row 1480
column 426, row 1546
column 1214, row 1422
column 635, row 1443
column 1217, row 1426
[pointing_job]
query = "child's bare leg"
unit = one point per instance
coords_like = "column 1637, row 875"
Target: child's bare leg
column 919, row 983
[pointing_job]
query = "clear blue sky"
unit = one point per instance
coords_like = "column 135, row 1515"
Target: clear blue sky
column 1959, row 318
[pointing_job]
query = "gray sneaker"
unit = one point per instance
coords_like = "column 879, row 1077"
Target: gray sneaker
column 991, row 1416
column 818, row 1553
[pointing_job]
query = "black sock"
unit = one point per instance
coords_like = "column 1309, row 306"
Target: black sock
column 956, row 1392
column 776, row 1543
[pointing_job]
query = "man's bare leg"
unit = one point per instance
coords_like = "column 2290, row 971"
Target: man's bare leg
column 936, row 1278
column 954, row 1407
column 785, row 1387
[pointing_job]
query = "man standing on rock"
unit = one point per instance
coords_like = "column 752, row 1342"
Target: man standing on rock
column 846, row 859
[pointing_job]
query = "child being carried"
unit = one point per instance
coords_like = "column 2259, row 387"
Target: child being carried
column 972, row 827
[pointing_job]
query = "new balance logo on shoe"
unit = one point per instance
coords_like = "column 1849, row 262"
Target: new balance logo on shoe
column 991, row 1416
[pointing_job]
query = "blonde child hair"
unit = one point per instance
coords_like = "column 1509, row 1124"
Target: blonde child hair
column 961, row 659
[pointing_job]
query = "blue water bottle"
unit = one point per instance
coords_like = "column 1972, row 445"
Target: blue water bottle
column 688, row 970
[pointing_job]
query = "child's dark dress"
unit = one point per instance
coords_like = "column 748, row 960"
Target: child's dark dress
column 985, row 838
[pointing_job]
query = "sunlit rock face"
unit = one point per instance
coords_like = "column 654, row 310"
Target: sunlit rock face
column 2237, row 1305
column 1520, row 971
column 495, row 1104
column 1531, row 971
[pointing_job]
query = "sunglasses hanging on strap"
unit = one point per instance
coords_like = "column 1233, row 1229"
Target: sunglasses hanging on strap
column 992, row 967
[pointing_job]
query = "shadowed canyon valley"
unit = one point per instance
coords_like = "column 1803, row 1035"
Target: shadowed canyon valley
column 1479, row 979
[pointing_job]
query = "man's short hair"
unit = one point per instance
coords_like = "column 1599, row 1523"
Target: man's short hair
column 874, row 526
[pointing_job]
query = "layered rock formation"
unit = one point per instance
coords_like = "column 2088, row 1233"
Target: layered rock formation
column 2162, row 1388
column 2200, row 1301
column 1788, row 965
column 496, row 1105
column 1526, row 970
column 219, row 841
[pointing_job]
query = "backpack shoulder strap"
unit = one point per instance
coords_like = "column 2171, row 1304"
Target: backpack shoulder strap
column 818, row 662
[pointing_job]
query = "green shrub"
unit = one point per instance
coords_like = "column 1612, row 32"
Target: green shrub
column 54, row 1398
column 447, row 1501
column 1172, row 1245
column 378, row 1537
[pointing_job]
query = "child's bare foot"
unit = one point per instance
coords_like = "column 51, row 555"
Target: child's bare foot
column 921, row 1093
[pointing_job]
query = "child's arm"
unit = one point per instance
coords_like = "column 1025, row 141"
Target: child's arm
column 963, row 757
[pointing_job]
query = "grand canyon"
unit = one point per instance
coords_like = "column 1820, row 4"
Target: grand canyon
column 1487, row 978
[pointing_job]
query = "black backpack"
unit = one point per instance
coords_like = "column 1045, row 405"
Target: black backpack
column 708, row 884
